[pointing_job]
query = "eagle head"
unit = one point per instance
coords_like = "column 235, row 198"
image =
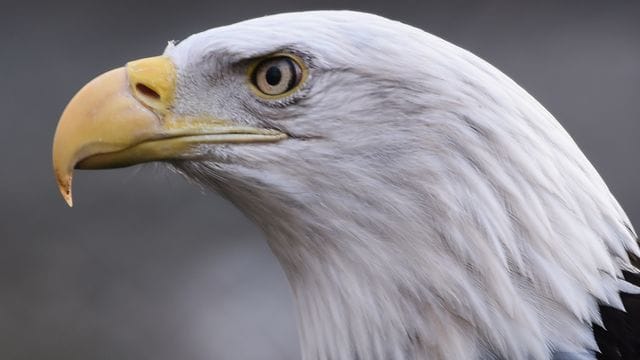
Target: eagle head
column 422, row 204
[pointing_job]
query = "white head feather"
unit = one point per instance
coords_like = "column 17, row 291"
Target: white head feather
column 425, row 205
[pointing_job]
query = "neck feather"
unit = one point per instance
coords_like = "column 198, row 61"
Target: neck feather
column 479, row 231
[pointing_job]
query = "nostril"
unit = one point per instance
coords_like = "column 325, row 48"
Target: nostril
column 147, row 91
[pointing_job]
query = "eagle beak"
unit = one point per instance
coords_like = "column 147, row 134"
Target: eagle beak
column 124, row 117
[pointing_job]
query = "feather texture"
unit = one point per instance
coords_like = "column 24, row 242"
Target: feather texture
column 425, row 207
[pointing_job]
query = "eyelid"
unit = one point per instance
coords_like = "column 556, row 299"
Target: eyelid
column 251, row 70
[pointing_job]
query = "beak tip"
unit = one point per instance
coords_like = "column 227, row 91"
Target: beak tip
column 69, row 200
column 64, row 184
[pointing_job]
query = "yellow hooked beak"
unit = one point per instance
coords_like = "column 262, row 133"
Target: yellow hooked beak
column 124, row 117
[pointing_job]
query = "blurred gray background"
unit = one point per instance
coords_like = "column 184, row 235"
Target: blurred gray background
column 148, row 266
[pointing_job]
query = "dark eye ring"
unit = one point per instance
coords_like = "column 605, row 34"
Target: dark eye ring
column 277, row 76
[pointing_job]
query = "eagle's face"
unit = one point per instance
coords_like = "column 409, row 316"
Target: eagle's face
column 325, row 92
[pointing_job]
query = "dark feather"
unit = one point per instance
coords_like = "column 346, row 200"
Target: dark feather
column 620, row 337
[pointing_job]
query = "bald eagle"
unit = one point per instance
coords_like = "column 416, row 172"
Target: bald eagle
column 421, row 203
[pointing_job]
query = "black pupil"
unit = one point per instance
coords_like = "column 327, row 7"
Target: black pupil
column 273, row 75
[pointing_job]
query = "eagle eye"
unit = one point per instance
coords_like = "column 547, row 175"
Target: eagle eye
column 277, row 76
